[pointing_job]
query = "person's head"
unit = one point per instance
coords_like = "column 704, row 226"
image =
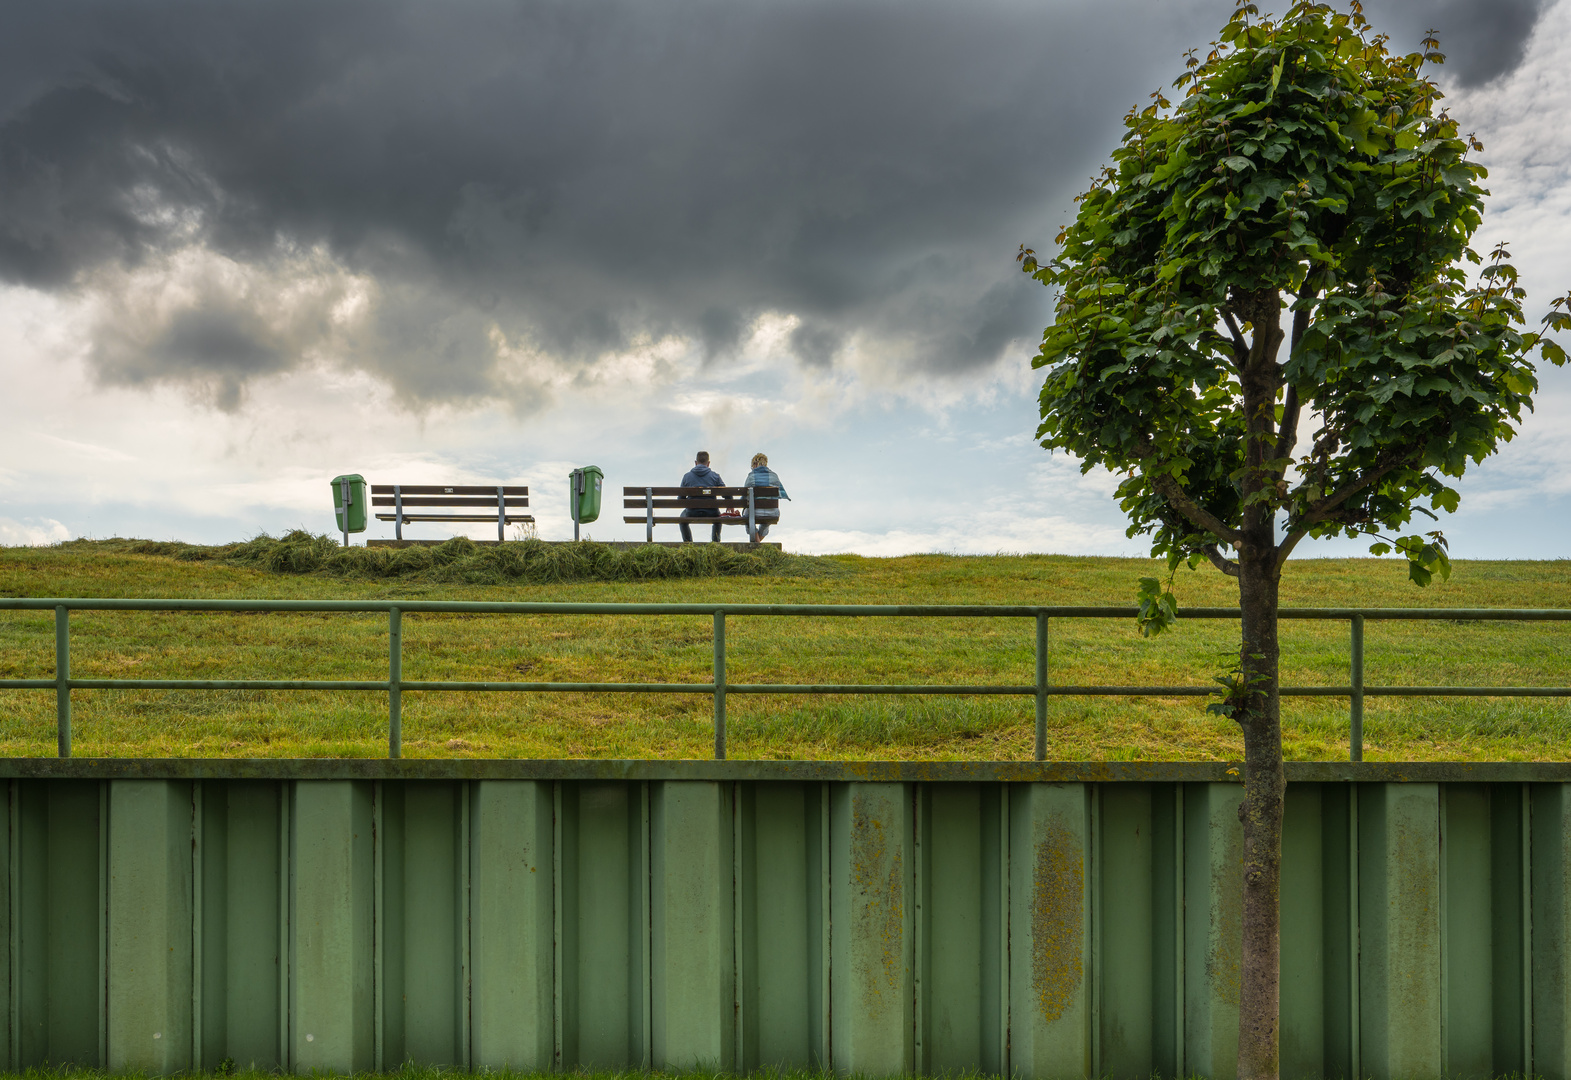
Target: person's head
column 702, row 458
column 760, row 459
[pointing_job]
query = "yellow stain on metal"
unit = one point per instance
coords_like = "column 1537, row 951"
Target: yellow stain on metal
column 1057, row 911
column 877, row 871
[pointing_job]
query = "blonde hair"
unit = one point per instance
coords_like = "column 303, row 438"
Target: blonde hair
column 760, row 459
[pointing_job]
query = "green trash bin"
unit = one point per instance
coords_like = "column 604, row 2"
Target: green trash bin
column 583, row 495
column 349, row 495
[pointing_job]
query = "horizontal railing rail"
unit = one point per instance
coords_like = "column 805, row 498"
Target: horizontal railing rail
column 1041, row 689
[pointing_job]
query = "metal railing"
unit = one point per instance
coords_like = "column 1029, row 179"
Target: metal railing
column 395, row 684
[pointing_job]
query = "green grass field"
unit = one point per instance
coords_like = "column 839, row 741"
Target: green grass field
column 434, row 1072
column 786, row 650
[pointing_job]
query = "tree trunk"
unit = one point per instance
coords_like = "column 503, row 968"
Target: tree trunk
column 1259, row 1038
column 1258, row 709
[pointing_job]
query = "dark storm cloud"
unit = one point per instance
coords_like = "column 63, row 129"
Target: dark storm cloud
column 574, row 175
column 1482, row 39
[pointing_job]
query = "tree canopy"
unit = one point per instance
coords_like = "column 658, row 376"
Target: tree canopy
column 1305, row 166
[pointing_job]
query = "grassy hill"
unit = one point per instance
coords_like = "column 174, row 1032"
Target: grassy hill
column 581, row 648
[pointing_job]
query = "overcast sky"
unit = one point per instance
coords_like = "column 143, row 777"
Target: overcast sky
column 246, row 247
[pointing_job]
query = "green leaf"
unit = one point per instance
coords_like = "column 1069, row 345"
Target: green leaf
column 1518, row 381
column 1158, row 608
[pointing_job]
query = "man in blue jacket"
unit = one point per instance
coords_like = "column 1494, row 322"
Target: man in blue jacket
column 701, row 476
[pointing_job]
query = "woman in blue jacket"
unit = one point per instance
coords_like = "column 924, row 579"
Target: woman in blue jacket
column 763, row 476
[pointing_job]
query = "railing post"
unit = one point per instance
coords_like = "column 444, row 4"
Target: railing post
column 395, row 678
column 1355, row 738
column 1041, row 687
column 719, row 685
column 63, row 680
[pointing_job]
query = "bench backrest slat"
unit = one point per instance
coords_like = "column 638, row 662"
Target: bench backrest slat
column 489, row 491
column 442, row 500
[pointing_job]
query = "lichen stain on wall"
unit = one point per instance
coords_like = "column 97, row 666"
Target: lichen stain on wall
column 877, row 875
column 1057, row 921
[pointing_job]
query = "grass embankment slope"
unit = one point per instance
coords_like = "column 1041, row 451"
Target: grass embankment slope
column 775, row 650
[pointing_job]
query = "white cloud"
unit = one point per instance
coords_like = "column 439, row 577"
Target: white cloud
column 31, row 532
column 90, row 451
column 986, row 533
column 1528, row 153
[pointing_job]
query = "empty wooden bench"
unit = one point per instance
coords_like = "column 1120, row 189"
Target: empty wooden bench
column 658, row 503
column 411, row 502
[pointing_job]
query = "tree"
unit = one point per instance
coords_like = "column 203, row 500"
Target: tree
column 1306, row 190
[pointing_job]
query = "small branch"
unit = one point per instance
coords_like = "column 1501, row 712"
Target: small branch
column 1240, row 346
column 1287, row 437
column 1300, row 327
column 1324, row 509
column 1168, row 488
column 1220, row 561
column 1285, row 548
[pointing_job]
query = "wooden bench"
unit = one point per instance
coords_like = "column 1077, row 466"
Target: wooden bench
column 657, row 502
column 402, row 497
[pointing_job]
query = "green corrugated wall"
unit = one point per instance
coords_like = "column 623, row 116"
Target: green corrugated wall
column 1045, row 929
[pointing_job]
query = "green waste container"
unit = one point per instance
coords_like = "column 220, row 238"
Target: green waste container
column 349, row 494
column 583, row 495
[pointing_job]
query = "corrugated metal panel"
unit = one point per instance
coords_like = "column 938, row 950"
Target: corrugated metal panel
column 1035, row 929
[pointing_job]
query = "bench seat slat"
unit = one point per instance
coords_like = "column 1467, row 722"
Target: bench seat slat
column 449, row 489
column 668, row 492
column 456, row 517
column 699, row 504
column 443, row 500
column 703, row 522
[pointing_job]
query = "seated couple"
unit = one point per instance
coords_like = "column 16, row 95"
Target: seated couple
column 702, row 476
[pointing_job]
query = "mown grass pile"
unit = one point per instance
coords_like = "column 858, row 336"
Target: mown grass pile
column 462, row 561
column 760, row 649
